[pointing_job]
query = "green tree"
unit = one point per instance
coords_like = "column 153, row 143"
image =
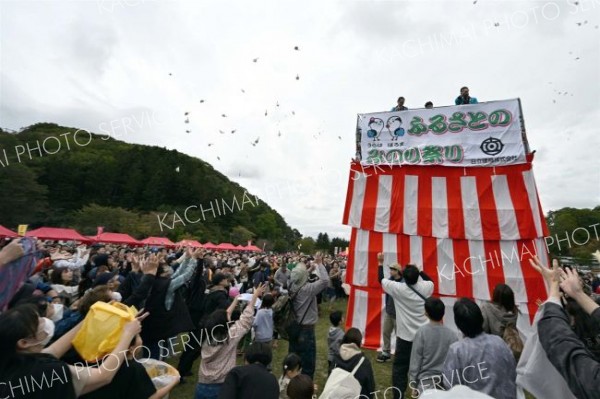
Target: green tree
column 241, row 235
column 296, row 235
column 340, row 243
column 572, row 232
column 121, row 220
column 266, row 226
column 131, row 182
column 281, row 245
column 323, row 242
column 306, row 245
column 22, row 198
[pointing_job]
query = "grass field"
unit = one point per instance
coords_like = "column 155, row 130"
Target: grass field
column 382, row 371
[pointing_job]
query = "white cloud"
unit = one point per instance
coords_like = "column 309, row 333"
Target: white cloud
column 87, row 64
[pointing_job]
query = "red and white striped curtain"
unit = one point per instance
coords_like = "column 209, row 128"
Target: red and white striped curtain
column 469, row 229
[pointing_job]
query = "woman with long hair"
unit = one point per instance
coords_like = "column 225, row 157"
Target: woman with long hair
column 61, row 279
column 292, row 366
column 219, row 342
column 501, row 311
column 29, row 369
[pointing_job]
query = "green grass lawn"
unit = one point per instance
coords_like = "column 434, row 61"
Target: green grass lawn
column 382, row 371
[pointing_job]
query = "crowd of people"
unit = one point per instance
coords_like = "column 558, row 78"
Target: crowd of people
column 221, row 305
column 490, row 357
column 49, row 288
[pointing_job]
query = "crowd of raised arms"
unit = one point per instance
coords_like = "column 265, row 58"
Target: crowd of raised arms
column 219, row 305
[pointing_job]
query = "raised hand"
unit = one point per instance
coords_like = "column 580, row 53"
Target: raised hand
column 551, row 276
column 189, row 252
column 136, row 262
column 12, row 251
column 258, row 291
column 134, row 327
column 570, row 282
column 198, row 253
column 150, row 265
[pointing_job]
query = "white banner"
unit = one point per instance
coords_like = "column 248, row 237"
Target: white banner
column 486, row 134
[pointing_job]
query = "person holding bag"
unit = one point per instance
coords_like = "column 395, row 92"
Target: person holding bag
column 357, row 377
column 23, row 337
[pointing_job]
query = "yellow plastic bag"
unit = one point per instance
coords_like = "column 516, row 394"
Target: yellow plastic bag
column 102, row 329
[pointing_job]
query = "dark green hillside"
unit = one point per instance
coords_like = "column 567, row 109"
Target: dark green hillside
column 123, row 187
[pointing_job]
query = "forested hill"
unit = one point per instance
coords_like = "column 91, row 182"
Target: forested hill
column 123, row 187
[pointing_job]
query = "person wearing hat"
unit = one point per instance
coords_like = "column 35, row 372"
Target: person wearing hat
column 260, row 274
column 304, row 305
column 389, row 316
column 111, row 280
column 218, row 297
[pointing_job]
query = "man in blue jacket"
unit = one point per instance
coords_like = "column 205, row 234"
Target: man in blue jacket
column 464, row 97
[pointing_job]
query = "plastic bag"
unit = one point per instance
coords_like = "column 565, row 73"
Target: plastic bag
column 101, row 330
column 161, row 373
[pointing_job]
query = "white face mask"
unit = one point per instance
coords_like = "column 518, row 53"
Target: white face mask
column 116, row 296
column 48, row 328
column 58, row 311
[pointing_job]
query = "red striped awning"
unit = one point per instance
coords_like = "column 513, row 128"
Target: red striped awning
column 487, row 203
column 467, row 228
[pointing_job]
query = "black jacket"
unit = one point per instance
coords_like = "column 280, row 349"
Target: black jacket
column 567, row 352
column 36, row 376
column 390, row 308
column 136, row 288
column 252, row 381
column 195, row 294
column 162, row 323
column 131, row 382
column 364, row 374
column 217, row 299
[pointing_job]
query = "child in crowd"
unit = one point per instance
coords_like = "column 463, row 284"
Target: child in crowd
column 301, row 387
column 263, row 322
column 334, row 338
column 429, row 349
column 350, row 357
column 252, row 381
column 292, row 365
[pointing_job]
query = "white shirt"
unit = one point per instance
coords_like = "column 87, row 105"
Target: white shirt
column 410, row 307
column 74, row 263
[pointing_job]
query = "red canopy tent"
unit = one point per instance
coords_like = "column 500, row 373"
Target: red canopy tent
column 240, row 247
column 252, row 248
column 56, row 233
column 190, row 243
column 210, row 245
column 4, row 232
column 161, row 241
column 115, row 238
column 226, row 246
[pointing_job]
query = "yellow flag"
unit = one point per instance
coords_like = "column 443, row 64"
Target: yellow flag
column 22, row 230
